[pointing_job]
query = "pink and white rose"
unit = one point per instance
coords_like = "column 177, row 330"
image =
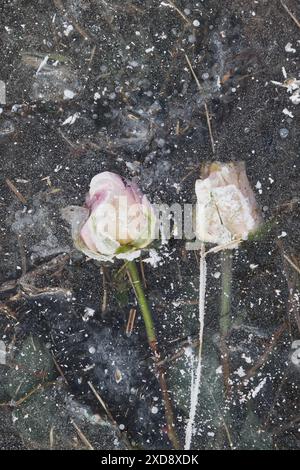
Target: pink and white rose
column 118, row 219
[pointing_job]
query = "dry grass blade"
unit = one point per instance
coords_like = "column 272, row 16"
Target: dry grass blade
column 297, row 22
column 59, row 369
column 51, row 437
column 16, row 192
column 121, row 435
column 180, row 13
column 84, row 439
column 102, row 403
column 292, row 263
column 104, row 298
column 205, row 105
column 264, row 357
column 130, row 323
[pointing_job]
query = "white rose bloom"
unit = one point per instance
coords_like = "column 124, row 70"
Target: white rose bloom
column 226, row 206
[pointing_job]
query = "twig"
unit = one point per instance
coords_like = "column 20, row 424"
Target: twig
column 179, row 353
column 104, row 299
column 180, row 13
column 131, row 320
column 263, row 358
column 28, row 395
column 205, row 105
column 292, row 263
column 143, row 273
column 59, row 369
column 277, row 395
column 51, row 437
column 102, row 403
column 82, row 436
column 195, row 386
column 226, row 428
column 110, row 416
column 73, row 146
column 290, row 13
column 227, row 245
column 92, row 55
column 16, row 192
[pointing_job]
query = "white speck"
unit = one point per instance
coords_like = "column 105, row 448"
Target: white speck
column 88, row 313
column 258, row 186
column 2, row 353
column 150, row 49
column 188, row 351
column 240, row 372
column 247, row 359
column 217, row 275
column 211, row 434
column 256, row 391
column 88, row 367
column 121, row 427
column 57, row 168
column 282, row 235
column 68, row 29
column 92, row 350
column 69, row 94
column 196, row 23
column 154, row 410
column 15, row 108
column 153, row 259
column 71, row 119
column 97, row 96
column 284, row 72
column 288, row 113
column 289, row 48
column 42, row 64
column 133, row 63
column 295, row 98
column 253, row 266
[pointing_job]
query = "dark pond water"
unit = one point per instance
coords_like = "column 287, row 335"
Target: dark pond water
column 96, row 86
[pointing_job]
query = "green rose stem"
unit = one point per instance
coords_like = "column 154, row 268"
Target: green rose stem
column 224, row 323
column 226, row 270
column 152, row 340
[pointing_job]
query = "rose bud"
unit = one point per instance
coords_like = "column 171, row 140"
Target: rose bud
column 226, row 206
column 118, row 219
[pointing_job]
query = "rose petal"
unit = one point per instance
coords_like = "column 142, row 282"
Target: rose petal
column 106, row 181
